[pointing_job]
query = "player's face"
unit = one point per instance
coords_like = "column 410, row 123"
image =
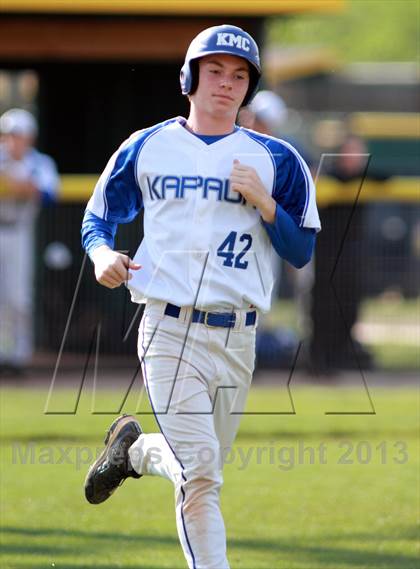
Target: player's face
column 17, row 145
column 223, row 84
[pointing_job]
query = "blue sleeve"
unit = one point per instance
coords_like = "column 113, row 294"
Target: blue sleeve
column 293, row 188
column 122, row 193
column 290, row 235
column 116, row 199
column 293, row 183
column 117, row 196
column 96, row 232
column 293, row 243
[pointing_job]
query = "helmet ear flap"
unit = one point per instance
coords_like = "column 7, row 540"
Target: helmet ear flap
column 254, row 79
column 189, row 77
column 195, row 71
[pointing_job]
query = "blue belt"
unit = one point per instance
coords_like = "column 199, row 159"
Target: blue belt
column 213, row 319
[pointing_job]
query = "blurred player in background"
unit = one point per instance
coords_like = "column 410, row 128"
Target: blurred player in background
column 266, row 113
column 28, row 179
column 334, row 309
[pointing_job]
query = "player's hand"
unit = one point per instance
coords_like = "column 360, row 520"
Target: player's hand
column 245, row 180
column 111, row 267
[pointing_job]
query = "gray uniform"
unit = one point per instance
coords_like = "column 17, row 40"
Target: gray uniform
column 17, row 224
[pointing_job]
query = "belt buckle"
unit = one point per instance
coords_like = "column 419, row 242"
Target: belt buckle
column 231, row 322
column 206, row 315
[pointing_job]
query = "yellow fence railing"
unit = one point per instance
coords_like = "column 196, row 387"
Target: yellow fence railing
column 397, row 189
column 78, row 188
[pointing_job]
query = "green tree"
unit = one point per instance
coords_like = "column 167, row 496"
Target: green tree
column 366, row 30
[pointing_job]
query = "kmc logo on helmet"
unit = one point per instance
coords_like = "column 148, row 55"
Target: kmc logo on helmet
column 227, row 39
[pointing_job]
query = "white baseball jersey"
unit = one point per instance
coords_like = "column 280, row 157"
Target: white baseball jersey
column 203, row 244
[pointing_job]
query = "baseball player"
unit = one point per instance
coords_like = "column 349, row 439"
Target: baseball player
column 266, row 113
column 216, row 199
column 28, row 179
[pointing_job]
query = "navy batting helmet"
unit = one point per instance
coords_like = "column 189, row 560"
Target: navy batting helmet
column 221, row 39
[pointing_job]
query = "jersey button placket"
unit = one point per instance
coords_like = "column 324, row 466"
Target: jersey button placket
column 197, row 237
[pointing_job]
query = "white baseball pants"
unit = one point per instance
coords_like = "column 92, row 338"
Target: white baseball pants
column 197, row 379
column 16, row 293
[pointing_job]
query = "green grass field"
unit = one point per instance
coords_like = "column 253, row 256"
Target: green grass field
column 353, row 505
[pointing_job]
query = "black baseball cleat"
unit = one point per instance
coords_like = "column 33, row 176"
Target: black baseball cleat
column 113, row 465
